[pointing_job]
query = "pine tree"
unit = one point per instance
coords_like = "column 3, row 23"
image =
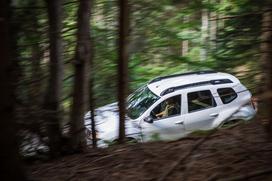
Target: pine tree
column 81, row 83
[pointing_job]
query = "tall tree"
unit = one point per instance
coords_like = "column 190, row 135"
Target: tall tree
column 204, row 33
column 185, row 43
column 123, row 65
column 81, row 82
column 213, row 27
column 36, row 57
column 9, row 158
column 266, row 60
column 91, row 93
column 52, row 98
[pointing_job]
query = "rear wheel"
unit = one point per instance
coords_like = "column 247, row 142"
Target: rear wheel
column 231, row 123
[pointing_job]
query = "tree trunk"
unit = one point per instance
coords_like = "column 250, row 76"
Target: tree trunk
column 204, row 34
column 91, row 92
column 213, row 30
column 266, row 61
column 36, row 56
column 81, row 82
column 185, row 43
column 52, row 104
column 221, row 20
column 123, row 65
column 9, row 161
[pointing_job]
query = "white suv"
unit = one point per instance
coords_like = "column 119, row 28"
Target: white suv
column 170, row 107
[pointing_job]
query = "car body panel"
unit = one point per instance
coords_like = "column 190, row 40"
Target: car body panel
column 164, row 129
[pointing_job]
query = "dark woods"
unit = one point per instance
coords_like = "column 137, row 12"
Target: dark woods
column 61, row 59
column 10, row 164
column 49, row 128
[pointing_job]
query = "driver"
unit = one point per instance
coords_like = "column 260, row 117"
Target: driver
column 170, row 109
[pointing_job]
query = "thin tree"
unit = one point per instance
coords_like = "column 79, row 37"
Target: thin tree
column 11, row 168
column 123, row 65
column 52, row 98
column 81, row 82
column 185, row 43
column 91, row 93
column 213, row 27
column 204, row 32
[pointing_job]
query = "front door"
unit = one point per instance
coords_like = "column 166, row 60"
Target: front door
column 167, row 121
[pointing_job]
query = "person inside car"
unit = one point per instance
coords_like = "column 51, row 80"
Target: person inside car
column 171, row 108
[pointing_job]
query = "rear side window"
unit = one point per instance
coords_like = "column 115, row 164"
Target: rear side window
column 200, row 100
column 227, row 95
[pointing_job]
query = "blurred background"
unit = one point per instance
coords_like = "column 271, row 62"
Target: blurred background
column 164, row 37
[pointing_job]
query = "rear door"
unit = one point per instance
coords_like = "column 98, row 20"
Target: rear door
column 201, row 110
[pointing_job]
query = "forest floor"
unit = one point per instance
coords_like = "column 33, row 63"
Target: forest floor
column 243, row 152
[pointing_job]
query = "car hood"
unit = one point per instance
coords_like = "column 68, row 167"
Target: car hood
column 107, row 122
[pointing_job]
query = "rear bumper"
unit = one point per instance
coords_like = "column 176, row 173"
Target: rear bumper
column 245, row 113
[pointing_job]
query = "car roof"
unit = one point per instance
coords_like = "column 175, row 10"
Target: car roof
column 159, row 85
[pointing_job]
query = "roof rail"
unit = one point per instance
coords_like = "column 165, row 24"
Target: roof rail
column 182, row 74
column 212, row 82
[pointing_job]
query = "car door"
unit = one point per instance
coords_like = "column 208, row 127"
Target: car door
column 169, row 127
column 202, row 110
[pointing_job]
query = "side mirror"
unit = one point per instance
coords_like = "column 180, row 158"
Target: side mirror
column 149, row 119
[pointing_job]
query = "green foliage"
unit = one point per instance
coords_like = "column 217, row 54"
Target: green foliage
column 157, row 31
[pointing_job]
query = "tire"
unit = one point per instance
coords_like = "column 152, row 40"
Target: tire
column 131, row 140
column 128, row 140
column 230, row 124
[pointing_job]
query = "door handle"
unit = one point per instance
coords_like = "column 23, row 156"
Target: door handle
column 179, row 122
column 214, row 115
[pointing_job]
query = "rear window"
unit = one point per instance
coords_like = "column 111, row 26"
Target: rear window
column 200, row 100
column 227, row 95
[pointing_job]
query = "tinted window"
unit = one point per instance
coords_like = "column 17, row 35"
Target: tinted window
column 227, row 95
column 200, row 100
column 167, row 108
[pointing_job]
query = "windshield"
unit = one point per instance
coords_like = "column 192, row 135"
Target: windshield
column 140, row 101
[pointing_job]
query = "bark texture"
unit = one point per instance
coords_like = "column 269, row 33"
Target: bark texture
column 91, row 93
column 9, row 158
column 52, row 104
column 266, row 61
column 213, row 30
column 185, row 43
column 81, row 82
column 123, row 65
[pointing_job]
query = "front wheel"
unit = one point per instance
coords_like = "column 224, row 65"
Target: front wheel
column 131, row 140
column 127, row 140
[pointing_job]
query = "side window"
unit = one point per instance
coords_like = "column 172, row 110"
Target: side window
column 200, row 100
column 227, row 95
column 169, row 107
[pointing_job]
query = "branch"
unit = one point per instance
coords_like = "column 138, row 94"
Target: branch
column 72, row 2
column 42, row 7
column 236, row 16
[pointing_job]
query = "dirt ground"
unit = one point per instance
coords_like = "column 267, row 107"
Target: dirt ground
column 243, row 152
